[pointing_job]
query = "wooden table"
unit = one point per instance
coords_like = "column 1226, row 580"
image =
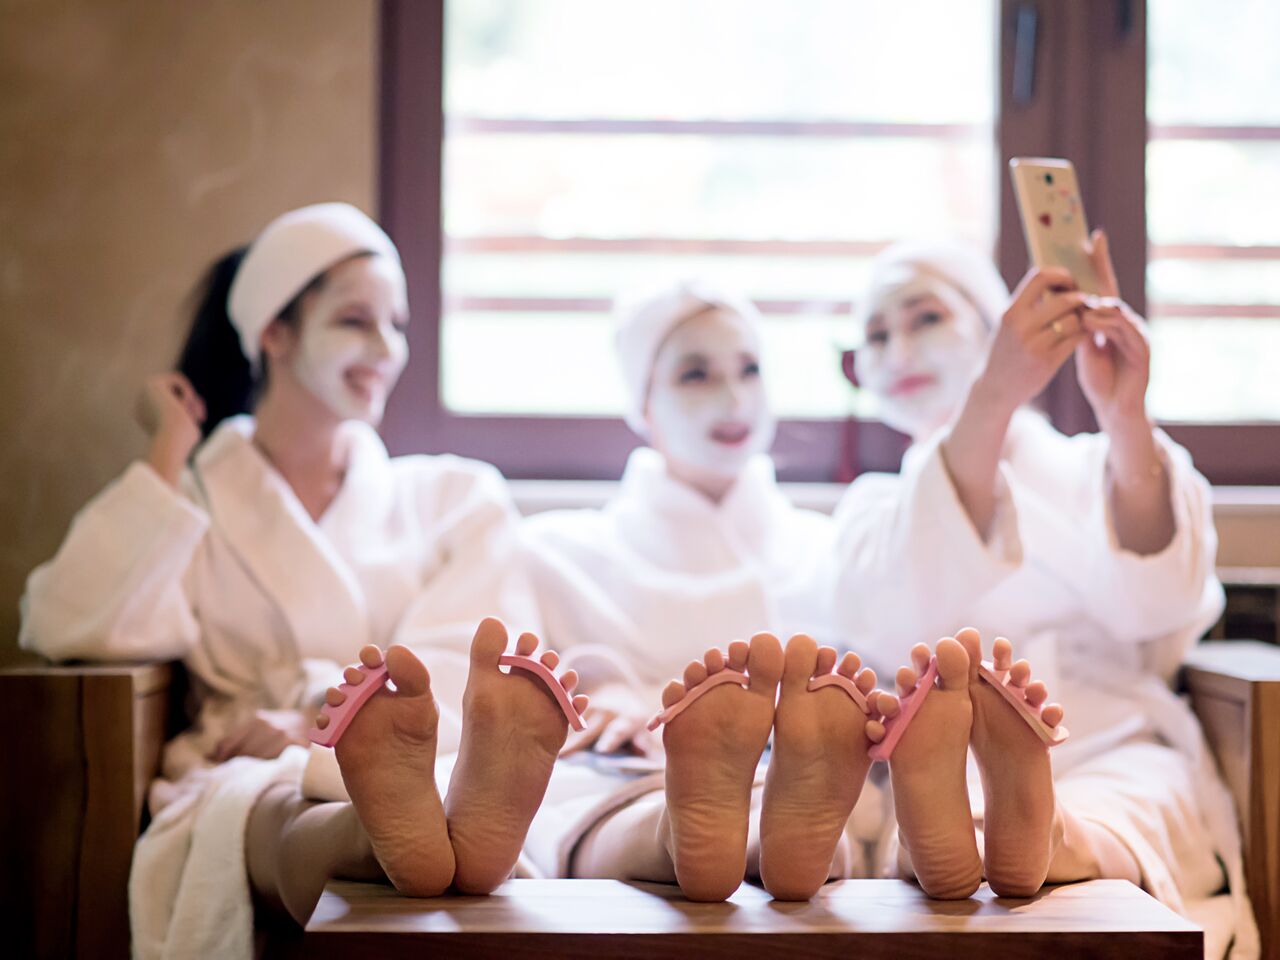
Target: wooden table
column 885, row 919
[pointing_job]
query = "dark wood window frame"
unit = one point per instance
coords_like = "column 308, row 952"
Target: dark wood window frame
column 1072, row 83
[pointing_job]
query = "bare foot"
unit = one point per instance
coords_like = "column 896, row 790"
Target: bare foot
column 712, row 752
column 1017, row 779
column 388, row 757
column 927, row 770
column 816, row 772
column 512, row 731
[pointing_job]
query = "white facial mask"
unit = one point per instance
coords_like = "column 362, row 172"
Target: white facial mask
column 716, row 421
column 922, row 375
column 350, row 353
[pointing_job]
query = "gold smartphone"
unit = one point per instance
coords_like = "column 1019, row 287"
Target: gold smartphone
column 1053, row 218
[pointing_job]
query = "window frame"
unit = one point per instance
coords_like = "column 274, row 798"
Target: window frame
column 1095, row 55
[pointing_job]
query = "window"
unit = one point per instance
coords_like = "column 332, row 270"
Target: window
column 1213, row 273
column 541, row 156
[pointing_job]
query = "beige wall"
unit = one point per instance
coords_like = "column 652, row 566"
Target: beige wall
column 138, row 140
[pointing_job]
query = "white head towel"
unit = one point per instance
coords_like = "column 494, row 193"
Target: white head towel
column 960, row 267
column 293, row 250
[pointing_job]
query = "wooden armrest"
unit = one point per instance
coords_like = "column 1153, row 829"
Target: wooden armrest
column 1235, row 691
column 80, row 746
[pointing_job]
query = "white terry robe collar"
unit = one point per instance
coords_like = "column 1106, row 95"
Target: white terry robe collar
column 747, row 515
column 261, row 518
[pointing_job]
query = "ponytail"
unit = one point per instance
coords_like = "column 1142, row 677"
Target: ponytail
column 211, row 358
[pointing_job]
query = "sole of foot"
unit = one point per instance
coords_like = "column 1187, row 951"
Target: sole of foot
column 712, row 750
column 387, row 757
column 1017, row 778
column 816, row 772
column 512, row 732
column 927, row 770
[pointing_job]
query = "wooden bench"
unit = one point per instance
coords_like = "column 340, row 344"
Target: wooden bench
column 82, row 742
column 593, row 919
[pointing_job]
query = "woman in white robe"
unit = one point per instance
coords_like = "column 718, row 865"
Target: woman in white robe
column 1094, row 553
column 288, row 542
column 698, row 547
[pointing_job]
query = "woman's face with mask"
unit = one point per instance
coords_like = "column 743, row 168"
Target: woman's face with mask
column 707, row 410
column 350, row 346
column 924, row 345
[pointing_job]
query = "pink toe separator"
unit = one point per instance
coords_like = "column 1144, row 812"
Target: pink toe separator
column 539, row 670
column 693, row 693
column 845, row 684
column 340, row 717
column 895, row 727
column 1017, row 696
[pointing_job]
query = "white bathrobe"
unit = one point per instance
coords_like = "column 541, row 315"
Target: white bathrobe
column 636, row 590
column 265, row 606
column 1104, row 627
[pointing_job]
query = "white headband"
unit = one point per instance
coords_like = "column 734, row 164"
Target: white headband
column 963, row 269
column 643, row 322
column 292, row 251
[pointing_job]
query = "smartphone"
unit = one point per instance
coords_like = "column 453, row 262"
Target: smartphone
column 1053, row 217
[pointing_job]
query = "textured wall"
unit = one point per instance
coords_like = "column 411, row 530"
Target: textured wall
column 138, row 140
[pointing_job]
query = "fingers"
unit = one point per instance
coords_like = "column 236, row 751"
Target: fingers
column 1037, row 282
column 594, row 726
column 1100, row 255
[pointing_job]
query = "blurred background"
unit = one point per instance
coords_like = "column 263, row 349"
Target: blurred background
column 534, row 157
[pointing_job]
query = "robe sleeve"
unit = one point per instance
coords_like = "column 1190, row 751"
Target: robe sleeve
column 1171, row 594
column 909, row 561
column 114, row 591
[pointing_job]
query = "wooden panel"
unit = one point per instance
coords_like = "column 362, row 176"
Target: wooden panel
column 595, row 918
column 1235, row 691
column 91, row 740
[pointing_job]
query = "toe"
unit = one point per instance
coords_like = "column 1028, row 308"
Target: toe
column 907, row 679
column 569, row 680
column 953, row 664
column 714, row 660
column 849, row 665
column 1036, row 693
column 335, row 697
column 800, row 663
column 694, row 673
column 322, row 720
column 886, row 704
column 1002, row 653
column 1020, row 673
column 920, row 656
column 353, row 676
column 550, row 659
column 874, row 730
column 1052, row 714
column 407, row 672
column 580, row 703
column 489, row 643
column 738, row 652
column 827, row 657
column 672, row 693
column 971, row 640
column 370, row 656
column 765, row 663
column 526, row 644
column 865, row 681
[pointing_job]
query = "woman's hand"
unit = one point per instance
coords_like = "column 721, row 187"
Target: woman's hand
column 171, row 412
column 1113, row 363
column 264, row 735
column 616, row 722
column 1038, row 333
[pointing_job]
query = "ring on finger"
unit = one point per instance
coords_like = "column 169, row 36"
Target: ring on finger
column 1057, row 328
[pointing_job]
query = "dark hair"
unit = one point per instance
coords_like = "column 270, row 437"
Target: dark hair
column 212, row 358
